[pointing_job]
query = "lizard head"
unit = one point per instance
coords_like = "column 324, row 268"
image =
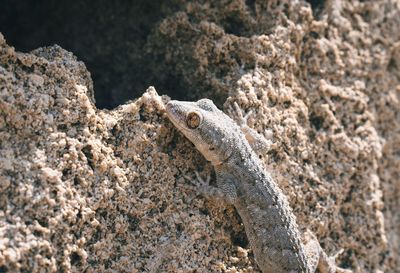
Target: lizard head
column 208, row 128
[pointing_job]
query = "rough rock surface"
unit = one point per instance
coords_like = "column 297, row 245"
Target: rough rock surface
column 83, row 189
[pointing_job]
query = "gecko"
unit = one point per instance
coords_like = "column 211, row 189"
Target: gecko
column 243, row 182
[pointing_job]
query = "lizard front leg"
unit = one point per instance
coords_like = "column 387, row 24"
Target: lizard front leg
column 259, row 143
column 223, row 192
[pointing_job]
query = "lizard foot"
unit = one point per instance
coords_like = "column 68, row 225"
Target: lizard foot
column 241, row 120
column 199, row 182
column 204, row 188
column 328, row 264
column 258, row 142
column 318, row 258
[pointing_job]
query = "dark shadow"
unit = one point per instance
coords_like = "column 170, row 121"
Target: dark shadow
column 108, row 36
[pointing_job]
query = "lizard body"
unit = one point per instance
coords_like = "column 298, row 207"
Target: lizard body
column 242, row 181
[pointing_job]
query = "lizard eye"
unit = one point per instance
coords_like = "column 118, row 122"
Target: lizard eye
column 193, row 120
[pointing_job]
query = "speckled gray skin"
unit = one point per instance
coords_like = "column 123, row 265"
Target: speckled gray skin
column 242, row 181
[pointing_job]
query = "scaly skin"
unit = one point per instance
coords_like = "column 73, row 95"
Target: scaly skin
column 242, row 181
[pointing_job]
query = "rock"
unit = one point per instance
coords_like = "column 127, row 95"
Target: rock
column 85, row 189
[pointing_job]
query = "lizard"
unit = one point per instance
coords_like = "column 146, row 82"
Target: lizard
column 242, row 181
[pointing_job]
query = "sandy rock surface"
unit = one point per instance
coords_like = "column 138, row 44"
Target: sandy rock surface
column 90, row 190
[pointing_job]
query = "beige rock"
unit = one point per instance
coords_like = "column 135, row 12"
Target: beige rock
column 83, row 189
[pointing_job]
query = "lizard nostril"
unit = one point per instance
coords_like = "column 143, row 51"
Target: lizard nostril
column 168, row 106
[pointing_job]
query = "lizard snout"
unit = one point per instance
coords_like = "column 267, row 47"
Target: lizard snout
column 176, row 112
